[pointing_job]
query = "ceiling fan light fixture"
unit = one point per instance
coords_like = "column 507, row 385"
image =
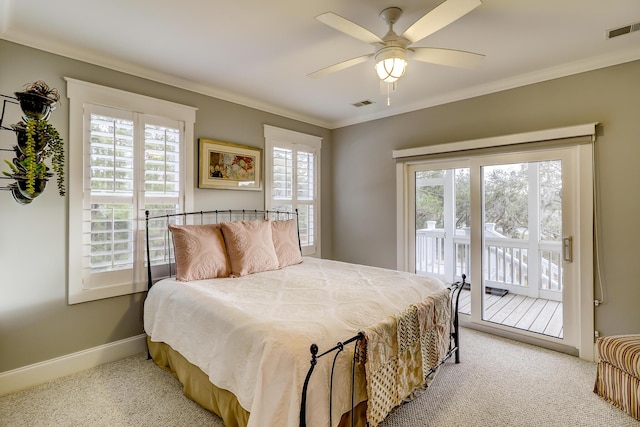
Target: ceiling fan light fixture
column 391, row 63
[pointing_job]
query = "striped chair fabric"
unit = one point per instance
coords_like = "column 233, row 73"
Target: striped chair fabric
column 618, row 372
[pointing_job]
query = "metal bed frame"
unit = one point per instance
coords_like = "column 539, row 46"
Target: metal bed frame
column 454, row 348
column 256, row 214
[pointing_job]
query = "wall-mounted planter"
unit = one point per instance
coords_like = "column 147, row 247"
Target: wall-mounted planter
column 17, row 195
column 37, row 100
column 21, row 192
column 37, row 140
column 35, row 106
column 41, row 142
column 39, row 185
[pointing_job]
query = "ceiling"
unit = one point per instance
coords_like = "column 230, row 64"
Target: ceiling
column 258, row 53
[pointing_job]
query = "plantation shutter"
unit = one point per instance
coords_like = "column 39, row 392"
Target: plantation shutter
column 132, row 163
column 282, row 185
column 292, row 178
column 305, row 193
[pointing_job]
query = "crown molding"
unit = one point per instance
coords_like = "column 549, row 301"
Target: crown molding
column 115, row 64
column 84, row 55
column 564, row 70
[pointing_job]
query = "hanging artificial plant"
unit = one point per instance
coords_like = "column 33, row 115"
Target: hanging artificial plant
column 40, row 133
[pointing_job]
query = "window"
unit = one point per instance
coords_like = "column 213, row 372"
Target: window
column 292, row 178
column 122, row 162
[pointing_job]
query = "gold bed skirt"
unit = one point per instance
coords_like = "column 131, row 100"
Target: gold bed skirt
column 197, row 387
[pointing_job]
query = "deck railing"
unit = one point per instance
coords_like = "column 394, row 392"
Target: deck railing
column 506, row 261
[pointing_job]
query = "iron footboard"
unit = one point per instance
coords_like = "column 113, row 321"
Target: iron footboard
column 454, row 348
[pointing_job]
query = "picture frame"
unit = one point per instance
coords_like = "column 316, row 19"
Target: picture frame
column 224, row 165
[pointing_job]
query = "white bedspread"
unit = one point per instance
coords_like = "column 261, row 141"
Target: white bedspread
column 251, row 335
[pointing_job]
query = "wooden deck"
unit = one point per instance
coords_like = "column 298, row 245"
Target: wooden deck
column 531, row 314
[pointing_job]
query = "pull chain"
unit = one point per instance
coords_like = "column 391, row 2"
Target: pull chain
column 391, row 87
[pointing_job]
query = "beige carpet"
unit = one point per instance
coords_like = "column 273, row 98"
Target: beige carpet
column 498, row 383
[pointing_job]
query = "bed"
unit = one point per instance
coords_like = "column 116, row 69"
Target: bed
column 248, row 343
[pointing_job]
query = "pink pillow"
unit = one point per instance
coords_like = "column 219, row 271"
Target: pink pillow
column 285, row 241
column 200, row 252
column 250, row 247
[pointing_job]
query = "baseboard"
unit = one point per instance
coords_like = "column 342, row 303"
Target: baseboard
column 42, row 372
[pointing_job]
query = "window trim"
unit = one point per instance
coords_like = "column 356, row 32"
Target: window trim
column 79, row 94
column 587, row 129
column 274, row 136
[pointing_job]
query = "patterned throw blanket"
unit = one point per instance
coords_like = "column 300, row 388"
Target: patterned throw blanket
column 399, row 351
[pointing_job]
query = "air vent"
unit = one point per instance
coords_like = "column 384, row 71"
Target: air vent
column 363, row 103
column 615, row 32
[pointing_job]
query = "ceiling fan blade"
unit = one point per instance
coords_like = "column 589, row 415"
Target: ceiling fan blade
column 450, row 57
column 349, row 28
column 339, row 66
column 441, row 16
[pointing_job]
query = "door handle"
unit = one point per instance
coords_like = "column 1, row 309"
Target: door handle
column 567, row 249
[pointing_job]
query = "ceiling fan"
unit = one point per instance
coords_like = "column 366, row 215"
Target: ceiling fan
column 393, row 50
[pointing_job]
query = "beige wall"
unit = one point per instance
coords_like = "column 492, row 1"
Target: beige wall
column 364, row 184
column 36, row 324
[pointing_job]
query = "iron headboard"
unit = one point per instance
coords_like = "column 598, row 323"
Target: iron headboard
column 209, row 217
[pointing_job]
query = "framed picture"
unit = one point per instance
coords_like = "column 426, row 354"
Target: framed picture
column 229, row 166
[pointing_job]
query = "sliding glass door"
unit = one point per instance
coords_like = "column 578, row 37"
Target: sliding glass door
column 506, row 222
column 442, row 222
column 522, row 244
